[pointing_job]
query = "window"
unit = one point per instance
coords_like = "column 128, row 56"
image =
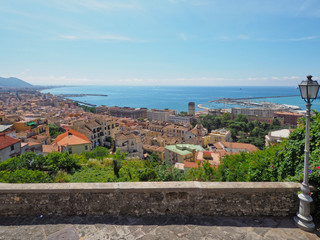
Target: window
column 12, row 147
column 86, row 147
column 70, row 150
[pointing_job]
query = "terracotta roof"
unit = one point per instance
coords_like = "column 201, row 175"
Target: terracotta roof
column 93, row 124
column 190, row 164
column 71, row 137
column 153, row 148
column 6, row 141
column 289, row 113
column 33, row 143
column 215, row 157
column 235, row 145
column 50, row 148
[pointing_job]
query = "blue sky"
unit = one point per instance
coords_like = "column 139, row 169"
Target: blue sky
column 160, row 42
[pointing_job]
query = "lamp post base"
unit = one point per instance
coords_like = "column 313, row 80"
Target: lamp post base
column 304, row 225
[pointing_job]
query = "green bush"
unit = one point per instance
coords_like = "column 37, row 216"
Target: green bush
column 24, row 176
column 88, row 174
column 61, row 161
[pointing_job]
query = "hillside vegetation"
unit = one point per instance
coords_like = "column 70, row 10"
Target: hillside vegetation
column 14, row 83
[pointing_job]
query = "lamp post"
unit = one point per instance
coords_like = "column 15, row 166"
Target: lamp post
column 309, row 91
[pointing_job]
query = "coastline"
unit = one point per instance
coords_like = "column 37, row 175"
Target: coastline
column 177, row 98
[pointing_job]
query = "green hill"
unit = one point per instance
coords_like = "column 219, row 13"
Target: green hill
column 14, row 83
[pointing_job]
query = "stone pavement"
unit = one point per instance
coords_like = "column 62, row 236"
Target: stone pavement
column 103, row 228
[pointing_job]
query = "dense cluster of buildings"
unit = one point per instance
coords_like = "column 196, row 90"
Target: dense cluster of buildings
column 25, row 119
column 285, row 116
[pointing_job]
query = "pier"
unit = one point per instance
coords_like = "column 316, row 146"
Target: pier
column 246, row 102
column 83, row 103
column 81, row 95
column 222, row 100
column 67, row 96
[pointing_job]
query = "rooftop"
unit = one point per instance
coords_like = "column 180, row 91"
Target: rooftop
column 283, row 133
column 184, row 149
column 233, row 146
column 289, row 113
column 6, row 141
column 5, row 127
column 71, row 137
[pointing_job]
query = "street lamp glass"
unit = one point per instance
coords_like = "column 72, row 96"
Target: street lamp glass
column 309, row 89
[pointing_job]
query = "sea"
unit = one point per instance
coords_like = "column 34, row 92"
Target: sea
column 177, row 97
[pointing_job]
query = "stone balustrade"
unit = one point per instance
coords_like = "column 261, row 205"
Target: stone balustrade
column 150, row 199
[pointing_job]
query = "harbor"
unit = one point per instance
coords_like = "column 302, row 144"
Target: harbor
column 248, row 103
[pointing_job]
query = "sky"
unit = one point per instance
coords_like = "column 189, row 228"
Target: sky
column 160, row 42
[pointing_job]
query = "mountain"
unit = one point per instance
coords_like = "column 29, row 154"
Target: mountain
column 14, row 83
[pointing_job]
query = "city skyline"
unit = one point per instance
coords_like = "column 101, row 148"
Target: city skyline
column 169, row 42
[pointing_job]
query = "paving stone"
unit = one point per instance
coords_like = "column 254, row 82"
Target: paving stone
column 123, row 231
column 138, row 234
column 195, row 233
column 230, row 232
column 129, row 228
column 148, row 229
column 65, row 234
column 162, row 233
column 260, row 231
column 98, row 236
column 84, row 230
column 53, row 228
column 23, row 232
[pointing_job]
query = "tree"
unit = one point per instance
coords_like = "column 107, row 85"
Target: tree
column 61, row 161
column 54, row 130
column 241, row 118
column 148, row 174
column 275, row 122
column 24, row 176
column 116, row 167
column 225, row 119
column 99, row 153
column 153, row 160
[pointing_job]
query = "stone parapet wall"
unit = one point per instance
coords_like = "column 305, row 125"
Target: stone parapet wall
column 150, row 199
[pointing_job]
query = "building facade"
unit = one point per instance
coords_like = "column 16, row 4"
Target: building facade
column 74, row 141
column 129, row 143
column 9, row 147
column 259, row 112
column 179, row 119
column 127, row 112
column 181, row 152
column 289, row 118
column 159, row 115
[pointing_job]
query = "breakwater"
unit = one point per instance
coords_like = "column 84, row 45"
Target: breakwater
column 221, row 100
column 81, row 95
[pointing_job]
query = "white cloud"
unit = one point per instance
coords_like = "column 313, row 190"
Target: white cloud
column 167, row 81
column 197, row 3
column 303, row 38
column 56, row 80
column 96, row 5
column 183, row 36
column 243, row 37
column 97, row 37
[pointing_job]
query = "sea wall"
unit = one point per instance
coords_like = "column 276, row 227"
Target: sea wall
column 150, row 199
